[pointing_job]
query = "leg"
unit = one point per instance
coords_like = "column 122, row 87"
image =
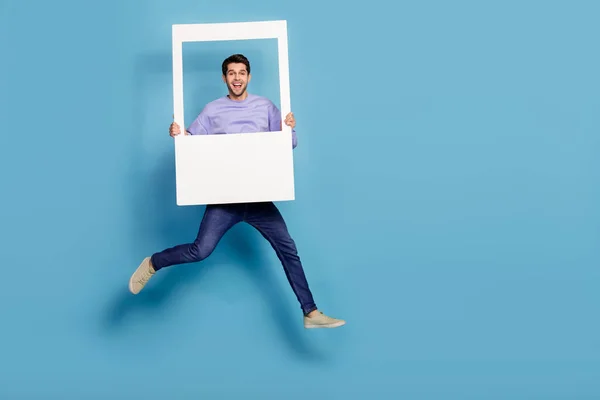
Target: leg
column 267, row 219
column 216, row 222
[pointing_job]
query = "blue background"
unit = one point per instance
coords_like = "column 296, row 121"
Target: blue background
column 448, row 204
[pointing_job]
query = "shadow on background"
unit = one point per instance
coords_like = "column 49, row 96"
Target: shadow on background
column 157, row 219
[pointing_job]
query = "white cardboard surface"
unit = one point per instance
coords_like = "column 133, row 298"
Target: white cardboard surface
column 233, row 168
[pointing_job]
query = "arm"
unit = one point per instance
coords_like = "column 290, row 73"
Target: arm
column 275, row 123
column 200, row 126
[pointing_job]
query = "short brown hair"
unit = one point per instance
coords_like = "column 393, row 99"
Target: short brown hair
column 237, row 59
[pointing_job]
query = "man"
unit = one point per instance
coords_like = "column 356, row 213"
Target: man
column 239, row 112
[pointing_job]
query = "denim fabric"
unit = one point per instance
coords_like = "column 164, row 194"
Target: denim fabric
column 267, row 219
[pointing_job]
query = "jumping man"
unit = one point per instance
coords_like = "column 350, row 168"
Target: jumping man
column 239, row 112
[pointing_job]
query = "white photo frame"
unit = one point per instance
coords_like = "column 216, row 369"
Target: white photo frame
column 233, row 168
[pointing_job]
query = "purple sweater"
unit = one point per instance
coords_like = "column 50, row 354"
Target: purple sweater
column 223, row 115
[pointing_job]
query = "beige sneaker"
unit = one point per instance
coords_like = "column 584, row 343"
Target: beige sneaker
column 320, row 320
column 141, row 276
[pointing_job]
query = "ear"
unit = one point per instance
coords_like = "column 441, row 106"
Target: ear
column 224, row 78
column 249, row 77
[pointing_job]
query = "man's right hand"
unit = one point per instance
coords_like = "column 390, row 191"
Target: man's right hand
column 174, row 129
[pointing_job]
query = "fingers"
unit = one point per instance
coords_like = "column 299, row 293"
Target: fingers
column 174, row 129
column 290, row 120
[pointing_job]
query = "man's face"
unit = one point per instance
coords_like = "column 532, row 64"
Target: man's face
column 237, row 79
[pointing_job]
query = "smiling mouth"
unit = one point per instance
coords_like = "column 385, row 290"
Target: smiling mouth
column 237, row 85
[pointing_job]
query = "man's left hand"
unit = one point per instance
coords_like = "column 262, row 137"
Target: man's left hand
column 290, row 120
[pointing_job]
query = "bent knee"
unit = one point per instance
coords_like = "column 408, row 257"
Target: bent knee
column 201, row 251
column 288, row 248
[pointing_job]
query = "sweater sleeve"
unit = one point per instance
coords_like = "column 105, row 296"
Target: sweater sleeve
column 201, row 125
column 275, row 123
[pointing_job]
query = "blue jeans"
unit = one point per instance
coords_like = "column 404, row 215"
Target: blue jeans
column 267, row 219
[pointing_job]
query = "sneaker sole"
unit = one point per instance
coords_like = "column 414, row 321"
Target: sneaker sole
column 334, row 325
column 131, row 287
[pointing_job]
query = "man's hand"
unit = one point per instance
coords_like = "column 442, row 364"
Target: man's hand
column 290, row 120
column 174, row 129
